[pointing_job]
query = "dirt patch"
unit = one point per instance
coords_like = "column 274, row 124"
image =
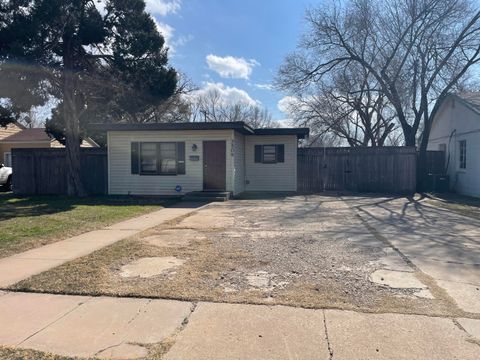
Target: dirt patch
column 308, row 252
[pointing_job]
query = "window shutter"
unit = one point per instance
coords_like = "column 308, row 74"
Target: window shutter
column 181, row 158
column 258, row 153
column 135, row 156
column 281, row 153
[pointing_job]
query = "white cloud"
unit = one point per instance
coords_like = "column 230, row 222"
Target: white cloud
column 231, row 67
column 264, row 86
column 285, row 123
column 167, row 32
column 285, row 103
column 163, row 7
column 227, row 95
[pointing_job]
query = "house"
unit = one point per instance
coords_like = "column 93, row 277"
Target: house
column 456, row 131
column 178, row 158
column 5, row 132
column 15, row 135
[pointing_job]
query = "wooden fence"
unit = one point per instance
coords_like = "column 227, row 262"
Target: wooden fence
column 381, row 170
column 42, row 171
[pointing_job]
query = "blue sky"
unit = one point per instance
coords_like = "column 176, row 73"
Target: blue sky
column 235, row 46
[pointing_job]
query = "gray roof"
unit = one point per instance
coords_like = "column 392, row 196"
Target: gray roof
column 239, row 126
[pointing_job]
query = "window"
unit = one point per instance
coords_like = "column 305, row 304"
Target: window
column 148, row 158
column 158, row 158
column 167, row 157
column 462, row 147
column 7, row 159
column 270, row 154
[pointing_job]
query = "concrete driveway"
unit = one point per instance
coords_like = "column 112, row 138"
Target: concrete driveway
column 443, row 247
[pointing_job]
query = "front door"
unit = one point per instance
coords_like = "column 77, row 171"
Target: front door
column 214, row 165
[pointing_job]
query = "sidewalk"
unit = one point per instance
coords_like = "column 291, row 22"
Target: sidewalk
column 21, row 266
column 124, row 328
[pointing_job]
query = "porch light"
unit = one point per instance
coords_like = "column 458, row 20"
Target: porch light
column 194, row 147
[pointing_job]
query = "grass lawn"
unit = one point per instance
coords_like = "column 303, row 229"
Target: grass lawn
column 29, row 222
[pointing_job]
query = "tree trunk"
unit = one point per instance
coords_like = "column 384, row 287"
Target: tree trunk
column 409, row 135
column 72, row 128
column 422, row 170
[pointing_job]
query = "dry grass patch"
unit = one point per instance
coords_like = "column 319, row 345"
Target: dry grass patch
column 463, row 205
column 7, row 353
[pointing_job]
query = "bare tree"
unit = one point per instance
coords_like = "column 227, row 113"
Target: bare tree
column 417, row 51
column 211, row 106
column 347, row 106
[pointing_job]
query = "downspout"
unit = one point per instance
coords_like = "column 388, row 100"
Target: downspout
column 448, row 150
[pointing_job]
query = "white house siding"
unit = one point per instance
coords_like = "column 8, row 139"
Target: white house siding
column 456, row 116
column 121, row 181
column 271, row 177
column 239, row 163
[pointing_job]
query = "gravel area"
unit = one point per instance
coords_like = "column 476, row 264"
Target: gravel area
column 303, row 241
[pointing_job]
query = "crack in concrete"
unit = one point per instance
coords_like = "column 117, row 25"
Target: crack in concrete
column 329, row 346
column 187, row 318
column 168, row 343
column 54, row 321
column 471, row 338
column 457, row 324
column 107, row 348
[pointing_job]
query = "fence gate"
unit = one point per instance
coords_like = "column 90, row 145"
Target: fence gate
column 383, row 169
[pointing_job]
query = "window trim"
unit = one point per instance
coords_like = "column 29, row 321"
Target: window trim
column 462, row 155
column 158, row 159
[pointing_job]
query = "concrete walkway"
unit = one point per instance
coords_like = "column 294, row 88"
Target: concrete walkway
column 124, row 328
column 21, row 266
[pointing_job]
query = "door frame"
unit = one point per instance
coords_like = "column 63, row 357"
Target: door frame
column 204, row 164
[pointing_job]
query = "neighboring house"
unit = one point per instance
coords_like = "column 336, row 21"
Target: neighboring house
column 5, row 132
column 166, row 159
column 16, row 135
column 456, row 130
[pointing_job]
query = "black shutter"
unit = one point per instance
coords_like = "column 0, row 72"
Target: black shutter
column 258, row 153
column 181, row 158
column 281, row 153
column 135, row 156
